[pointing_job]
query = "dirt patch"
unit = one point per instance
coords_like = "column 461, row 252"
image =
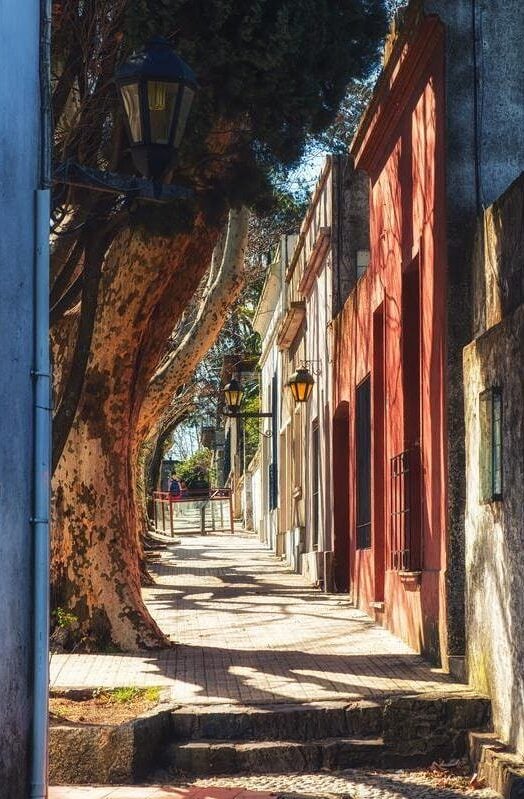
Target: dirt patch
column 103, row 707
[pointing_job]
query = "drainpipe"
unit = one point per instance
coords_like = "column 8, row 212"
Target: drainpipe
column 42, row 429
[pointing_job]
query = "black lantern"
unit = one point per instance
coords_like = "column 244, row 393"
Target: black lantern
column 157, row 90
column 233, row 394
column 301, row 384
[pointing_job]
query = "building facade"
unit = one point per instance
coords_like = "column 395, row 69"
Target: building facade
column 19, row 180
column 494, row 397
column 312, row 275
column 397, row 359
column 266, row 322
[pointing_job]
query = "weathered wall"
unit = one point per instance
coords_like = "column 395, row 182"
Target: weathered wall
column 495, row 530
column 19, row 102
column 484, row 154
column 401, row 148
column 483, row 151
column 350, row 227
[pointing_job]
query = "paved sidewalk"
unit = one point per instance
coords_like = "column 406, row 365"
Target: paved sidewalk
column 250, row 632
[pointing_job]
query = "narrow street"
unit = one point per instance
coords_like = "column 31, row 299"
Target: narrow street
column 252, row 637
column 248, row 631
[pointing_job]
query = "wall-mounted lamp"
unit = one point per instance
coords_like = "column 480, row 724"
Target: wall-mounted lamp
column 234, row 394
column 302, row 381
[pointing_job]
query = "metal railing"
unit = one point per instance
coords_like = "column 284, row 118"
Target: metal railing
column 405, row 510
column 197, row 511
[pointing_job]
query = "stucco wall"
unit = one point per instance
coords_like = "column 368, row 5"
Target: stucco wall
column 401, row 145
column 484, row 153
column 18, row 179
column 495, row 530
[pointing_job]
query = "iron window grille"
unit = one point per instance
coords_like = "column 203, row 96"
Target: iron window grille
column 405, row 510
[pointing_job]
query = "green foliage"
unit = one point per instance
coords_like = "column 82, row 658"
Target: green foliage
column 125, row 694
column 273, row 71
column 64, row 618
column 195, row 469
column 251, row 426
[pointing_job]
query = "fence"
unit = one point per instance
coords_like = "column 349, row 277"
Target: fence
column 200, row 511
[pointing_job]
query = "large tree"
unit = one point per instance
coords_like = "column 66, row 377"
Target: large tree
column 272, row 73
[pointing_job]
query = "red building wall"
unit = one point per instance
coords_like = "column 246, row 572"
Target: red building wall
column 393, row 329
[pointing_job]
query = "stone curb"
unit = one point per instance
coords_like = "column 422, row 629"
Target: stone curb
column 107, row 754
column 497, row 764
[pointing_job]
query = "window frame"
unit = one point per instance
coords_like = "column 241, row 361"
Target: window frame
column 364, row 528
column 491, row 484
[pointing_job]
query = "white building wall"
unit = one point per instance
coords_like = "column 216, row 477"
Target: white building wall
column 19, row 157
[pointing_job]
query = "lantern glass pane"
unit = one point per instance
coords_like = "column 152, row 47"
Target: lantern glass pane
column 161, row 102
column 233, row 398
column 130, row 98
column 180, row 123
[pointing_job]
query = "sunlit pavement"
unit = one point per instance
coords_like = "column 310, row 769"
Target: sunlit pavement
column 248, row 631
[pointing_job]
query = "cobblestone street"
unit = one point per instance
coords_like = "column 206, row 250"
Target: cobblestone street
column 248, row 631
column 350, row 784
column 353, row 784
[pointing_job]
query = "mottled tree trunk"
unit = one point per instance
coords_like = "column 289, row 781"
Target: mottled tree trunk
column 96, row 540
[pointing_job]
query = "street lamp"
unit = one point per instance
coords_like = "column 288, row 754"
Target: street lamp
column 301, row 384
column 157, row 90
column 233, row 394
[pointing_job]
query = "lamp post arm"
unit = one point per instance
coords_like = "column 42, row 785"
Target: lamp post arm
column 85, row 177
column 248, row 415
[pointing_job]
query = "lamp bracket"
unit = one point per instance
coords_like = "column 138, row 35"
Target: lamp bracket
column 248, row 415
column 86, row 177
column 315, row 367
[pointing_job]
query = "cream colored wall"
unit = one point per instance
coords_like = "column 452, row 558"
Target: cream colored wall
column 494, row 531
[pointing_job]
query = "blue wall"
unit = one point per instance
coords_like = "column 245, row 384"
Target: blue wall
column 19, row 127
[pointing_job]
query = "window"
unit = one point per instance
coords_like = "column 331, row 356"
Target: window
column 363, row 257
column 315, row 474
column 491, row 445
column 363, row 440
column 273, row 467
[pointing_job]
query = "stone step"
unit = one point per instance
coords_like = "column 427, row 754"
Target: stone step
column 285, row 722
column 400, row 731
column 207, row 758
column 418, row 720
column 397, row 731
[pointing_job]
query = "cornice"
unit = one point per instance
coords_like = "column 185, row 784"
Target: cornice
column 412, row 52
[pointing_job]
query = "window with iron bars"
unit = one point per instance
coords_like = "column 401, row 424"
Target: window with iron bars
column 405, row 510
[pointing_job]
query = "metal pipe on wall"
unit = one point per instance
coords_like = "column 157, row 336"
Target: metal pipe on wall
column 41, row 500
column 41, row 468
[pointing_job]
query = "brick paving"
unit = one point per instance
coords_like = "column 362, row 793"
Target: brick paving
column 248, row 631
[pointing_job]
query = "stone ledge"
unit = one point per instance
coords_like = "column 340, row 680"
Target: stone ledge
column 497, row 764
column 108, row 754
column 438, row 723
